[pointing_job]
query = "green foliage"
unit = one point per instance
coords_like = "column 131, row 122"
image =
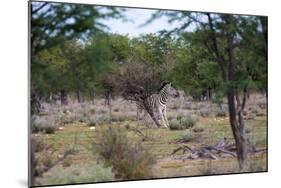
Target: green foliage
column 79, row 174
column 129, row 159
column 120, row 47
column 56, row 61
column 53, row 23
column 97, row 61
column 71, row 52
column 152, row 49
column 181, row 123
column 187, row 136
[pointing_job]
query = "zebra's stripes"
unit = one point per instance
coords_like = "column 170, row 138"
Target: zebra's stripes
column 157, row 102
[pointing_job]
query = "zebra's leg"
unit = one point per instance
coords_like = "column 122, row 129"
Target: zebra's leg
column 145, row 119
column 165, row 117
column 160, row 110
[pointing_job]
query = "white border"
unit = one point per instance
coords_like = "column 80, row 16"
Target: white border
column 13, row 95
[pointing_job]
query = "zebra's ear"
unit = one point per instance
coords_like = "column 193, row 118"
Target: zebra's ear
column 165, row 83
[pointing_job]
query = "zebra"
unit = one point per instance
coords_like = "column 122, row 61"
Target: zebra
column 158, row 102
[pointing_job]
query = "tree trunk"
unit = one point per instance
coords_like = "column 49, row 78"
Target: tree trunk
column 78, row 95
column 108, row 102
column 36, row 105
column 92, row 96
column 110, row 105
column 210, row 93
column 237, row 126
column 237, row 129
column 228, row 70
column 63, row 97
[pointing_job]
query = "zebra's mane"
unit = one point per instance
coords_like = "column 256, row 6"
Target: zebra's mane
column 163, row 84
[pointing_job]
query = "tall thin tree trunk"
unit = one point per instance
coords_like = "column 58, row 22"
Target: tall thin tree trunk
column 78, row 95
column 228, row 70
column 237, row 126
column 36, row 105
column 63, row 97
column 92, row 95
column 110, row 106
column 108, row 102
column 238, row 131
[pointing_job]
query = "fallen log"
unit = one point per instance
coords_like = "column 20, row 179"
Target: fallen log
column 212, row 151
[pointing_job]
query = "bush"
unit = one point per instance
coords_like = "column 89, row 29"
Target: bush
column 181, row 123
column 254, row 110
column 37, row 144
column 250, row 117
column 260, row 114
column 187, row 136
column 198, row 129
column 205, row 112
column 45, row 124
column 221, row 113
column 129, row 159
column 116, row 109
column 92, row 121
column 78, row 174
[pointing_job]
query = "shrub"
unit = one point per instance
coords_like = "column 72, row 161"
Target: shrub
column 207, row 168
column 262, row 105
column 260, row 114
column 116, row 109
column 250, row 117
column 92, row 121
column 116, row 118
column 221, row 113
column 181, row 123
column 92, row 110
column 37, row 144
column 45, row 124
column 256, row 165
column 47, row 161
column 254, row 110
column 128, row 158
column 198, row 129
column 187, row 136
column 127, row 126
column 78, row 174
column 205, row 112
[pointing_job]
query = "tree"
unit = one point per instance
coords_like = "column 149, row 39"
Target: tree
column 152, row 49
column 120, row 47
column 72, row 52
column 137, row 81
column 223, row 36
column 195, row 70
column 54, row 23
column 55, row 74
column 98, row 60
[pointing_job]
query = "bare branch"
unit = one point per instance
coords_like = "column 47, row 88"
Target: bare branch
column 39, row 8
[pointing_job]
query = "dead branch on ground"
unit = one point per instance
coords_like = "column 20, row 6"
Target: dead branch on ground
column 221, row 149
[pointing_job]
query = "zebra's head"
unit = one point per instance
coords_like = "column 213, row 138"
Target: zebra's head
column 169, row 89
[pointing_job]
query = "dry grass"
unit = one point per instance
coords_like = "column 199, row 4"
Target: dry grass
column 76, row 127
